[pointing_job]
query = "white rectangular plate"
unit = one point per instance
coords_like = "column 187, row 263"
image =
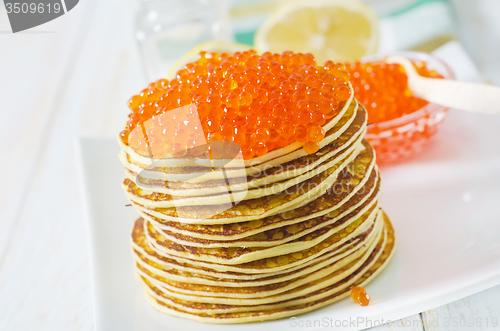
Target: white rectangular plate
column 444, row 205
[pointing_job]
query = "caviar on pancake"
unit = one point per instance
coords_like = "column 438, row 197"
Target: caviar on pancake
column 261, row 102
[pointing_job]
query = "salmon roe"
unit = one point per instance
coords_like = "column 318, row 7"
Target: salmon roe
column 359, row 295
column 261, row 102
column 383, row 89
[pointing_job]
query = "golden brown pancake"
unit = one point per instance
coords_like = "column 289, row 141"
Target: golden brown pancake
column 222, row 313
column 238, row 255
column 350, row 127
column 156, row 265
column 273, row 230
column 155, row 199
column 253, row 209
column 235, row 241
column 263, row 294
column 273, row 155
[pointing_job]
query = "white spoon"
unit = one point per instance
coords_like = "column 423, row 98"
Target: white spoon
column 450, row 93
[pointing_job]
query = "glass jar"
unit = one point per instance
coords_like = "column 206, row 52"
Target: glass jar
column 401, row 138
column 167, row 29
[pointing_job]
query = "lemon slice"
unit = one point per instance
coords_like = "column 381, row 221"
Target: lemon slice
column 211, row 46
column 337, row 30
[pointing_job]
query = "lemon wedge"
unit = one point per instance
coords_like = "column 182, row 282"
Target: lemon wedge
column 211, row 46
column 337, row 30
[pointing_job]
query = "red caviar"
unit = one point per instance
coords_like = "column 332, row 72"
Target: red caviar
column 359, row 295
column 261, row 102
column 383, row 89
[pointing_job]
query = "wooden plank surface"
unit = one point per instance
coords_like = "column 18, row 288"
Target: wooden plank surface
column 55, row 85
column 477, row 312
column 35, row 66
column 412, row 323
column 67, row 78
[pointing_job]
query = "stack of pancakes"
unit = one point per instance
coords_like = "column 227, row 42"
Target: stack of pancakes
column 281, row 235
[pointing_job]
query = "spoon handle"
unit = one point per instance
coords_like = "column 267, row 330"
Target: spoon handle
column 458, row 95
column 477, row 98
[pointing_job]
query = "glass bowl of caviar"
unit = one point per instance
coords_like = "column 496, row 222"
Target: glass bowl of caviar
column 399, row 124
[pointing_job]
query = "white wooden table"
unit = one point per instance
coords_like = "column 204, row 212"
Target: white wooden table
column 67, row 78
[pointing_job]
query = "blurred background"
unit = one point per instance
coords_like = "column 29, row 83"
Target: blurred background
column 165, row 30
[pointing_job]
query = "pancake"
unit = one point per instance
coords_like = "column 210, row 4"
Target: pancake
column 223, row 239
column 142, row 250
column 149, row 198
column 226, row 314
column 263, row 294
column 352, row 124
column 254, row 209
column 272, row 263
column 332, row 235
column 244, row 290
column 235, row 190
column 279, row 235
column 334, row 201
column 282, row 234
column 341, row 236
column 272, row 155
column 177, row 272
column 269, row 231
column 305, row 165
